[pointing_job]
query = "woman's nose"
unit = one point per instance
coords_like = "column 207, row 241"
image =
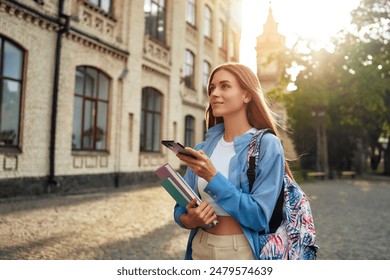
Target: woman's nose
column 214, row 92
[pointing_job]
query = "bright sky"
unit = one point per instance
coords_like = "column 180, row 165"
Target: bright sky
column 314, row 20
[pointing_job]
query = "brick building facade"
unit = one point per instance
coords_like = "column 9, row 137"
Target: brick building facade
column 90, row 87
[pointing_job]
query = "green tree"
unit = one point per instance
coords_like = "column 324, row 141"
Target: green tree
column 351, row 85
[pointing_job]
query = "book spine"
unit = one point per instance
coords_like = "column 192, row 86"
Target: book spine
column 175, row 192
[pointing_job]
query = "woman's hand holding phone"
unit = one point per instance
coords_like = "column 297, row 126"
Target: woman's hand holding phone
column 176, row 147
column 201, row 164
column 198, row 161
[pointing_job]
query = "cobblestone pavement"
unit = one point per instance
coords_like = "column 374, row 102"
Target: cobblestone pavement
column 351, row 217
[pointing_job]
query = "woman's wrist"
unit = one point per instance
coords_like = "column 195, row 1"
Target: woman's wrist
column 209, row 178
column 185, row 221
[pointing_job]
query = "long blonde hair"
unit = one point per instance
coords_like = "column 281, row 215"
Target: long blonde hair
column 258, row 112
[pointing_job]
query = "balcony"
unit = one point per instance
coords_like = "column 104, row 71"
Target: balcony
column 156, row 52
column 97, row 22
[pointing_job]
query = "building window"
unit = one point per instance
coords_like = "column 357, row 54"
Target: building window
column 206, row 74
column 189, row 133
column 221, row 35
column 189, row 69
column 151, row 120
column 105, row 5
column 191, row 12
column 11, row 84
column 154, row 11
column 90, row 110
column 232, row 46
column 207, row 22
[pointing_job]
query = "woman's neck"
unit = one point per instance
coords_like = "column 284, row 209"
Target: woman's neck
column 235, row 127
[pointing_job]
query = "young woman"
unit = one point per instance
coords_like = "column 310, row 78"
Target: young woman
column 237, row 109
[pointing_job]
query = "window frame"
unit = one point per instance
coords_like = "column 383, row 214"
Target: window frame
column 191, row 12
column 189, row 69
column 21, row 81
column 232, row 45
column 208, row 22
column 95, row 101
column 205, row 76
column 221, row 34
column 189, row 131
column 152, row 29
column 99, row 5
column 155, row 146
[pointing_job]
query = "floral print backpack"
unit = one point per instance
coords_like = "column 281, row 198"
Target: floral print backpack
column 292, row 234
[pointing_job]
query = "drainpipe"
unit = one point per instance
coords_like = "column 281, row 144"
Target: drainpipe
column 118, row 129
column 64, row 27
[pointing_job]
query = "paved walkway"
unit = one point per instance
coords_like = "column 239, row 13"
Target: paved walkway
column 351, row 218
column 126, row 224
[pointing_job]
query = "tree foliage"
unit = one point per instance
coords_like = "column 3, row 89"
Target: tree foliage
column 351, row 84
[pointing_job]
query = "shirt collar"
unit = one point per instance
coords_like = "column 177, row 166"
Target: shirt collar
column 239, row 141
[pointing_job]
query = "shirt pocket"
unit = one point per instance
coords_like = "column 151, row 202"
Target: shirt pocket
column 244, row 182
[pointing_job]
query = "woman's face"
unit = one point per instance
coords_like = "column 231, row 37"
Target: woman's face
column 226, row 95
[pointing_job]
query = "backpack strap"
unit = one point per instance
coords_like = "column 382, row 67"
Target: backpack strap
column 253, row 156
column 277, row 214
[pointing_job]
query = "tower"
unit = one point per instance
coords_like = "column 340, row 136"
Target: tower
column 270, row 47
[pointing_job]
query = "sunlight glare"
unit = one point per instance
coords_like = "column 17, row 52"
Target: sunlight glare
column 313, row 20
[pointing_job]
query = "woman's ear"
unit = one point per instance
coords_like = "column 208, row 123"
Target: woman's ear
column 247, row 97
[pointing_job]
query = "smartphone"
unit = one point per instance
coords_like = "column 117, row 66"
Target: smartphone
column 176, row 147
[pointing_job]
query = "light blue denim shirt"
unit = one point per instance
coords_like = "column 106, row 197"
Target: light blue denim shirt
column 252, row 210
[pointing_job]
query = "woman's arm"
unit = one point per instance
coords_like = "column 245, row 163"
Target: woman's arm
column 253, row 210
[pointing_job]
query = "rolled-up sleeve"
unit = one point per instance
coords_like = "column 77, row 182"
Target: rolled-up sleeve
column 253, row 210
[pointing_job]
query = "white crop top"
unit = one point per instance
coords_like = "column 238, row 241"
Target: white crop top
column 221, row 156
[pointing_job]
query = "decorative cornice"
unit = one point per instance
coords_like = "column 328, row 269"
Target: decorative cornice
column 50, row 23
column 30, row 15
column 96, row 45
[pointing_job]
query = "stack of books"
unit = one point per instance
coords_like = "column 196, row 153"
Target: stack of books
column 176, row 186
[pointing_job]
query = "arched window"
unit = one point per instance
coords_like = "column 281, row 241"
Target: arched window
column 232, row 46
column 189, row 69
column 206, row 74
column 11, row 84
column 154, row 11
column 90, row 109
column 151, row 120
column 221, row 35
column 207, row 22
column 189, row 133
column 191, row 12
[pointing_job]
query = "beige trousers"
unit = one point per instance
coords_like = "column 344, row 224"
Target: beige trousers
column 206, row 246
